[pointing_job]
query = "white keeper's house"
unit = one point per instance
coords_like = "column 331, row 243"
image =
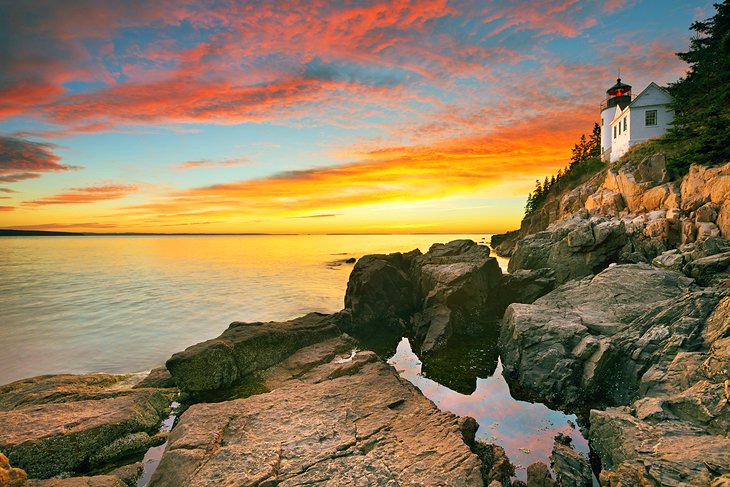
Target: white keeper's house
column 627, row 120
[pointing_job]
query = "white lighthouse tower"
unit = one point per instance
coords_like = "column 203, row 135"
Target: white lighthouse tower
column 626, row 122
column 618, row 97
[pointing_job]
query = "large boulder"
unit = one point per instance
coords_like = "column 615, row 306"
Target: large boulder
column 381, row 293
column 573, row 248
column 647, row 340
column 639, row 188
column 525, row 286
column 340, row 419
column 538, row 475
column 450, row 290
column 705, row 191
column 496, row 467
column 244, row 349
column 57, row 424
column 574, row 344
column 504, row 243
column 714, row 269
column 456, row 281
column 571, row 467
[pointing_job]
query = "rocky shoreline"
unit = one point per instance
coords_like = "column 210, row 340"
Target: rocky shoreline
column 616, row 308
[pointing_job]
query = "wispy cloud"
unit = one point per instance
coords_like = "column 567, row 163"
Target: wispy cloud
column 389, row 174
column 87, row 195
column 209, row 163
column 65, row 226
column 321, row 215
column 250, row 61
column 24, row 156
column 14, row 178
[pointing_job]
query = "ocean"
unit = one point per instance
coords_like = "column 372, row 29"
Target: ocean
column 126, row 303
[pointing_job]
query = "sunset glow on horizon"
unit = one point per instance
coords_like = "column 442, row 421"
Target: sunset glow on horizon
column 308, row 117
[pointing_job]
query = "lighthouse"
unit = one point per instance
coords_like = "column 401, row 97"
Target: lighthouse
column 618, row 97
column 627, row 120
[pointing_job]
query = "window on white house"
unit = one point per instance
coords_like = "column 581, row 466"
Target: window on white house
column 650, row 117
column 614, row 132
column 625, row 121
column 619, row 127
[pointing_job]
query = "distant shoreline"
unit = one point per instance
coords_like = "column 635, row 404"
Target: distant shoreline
column 44, row 233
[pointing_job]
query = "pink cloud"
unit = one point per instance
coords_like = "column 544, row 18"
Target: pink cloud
column 208, row 163
column 86, row 195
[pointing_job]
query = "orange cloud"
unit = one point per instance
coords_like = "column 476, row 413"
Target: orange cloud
column 459, row 166
column 322, row 215
column 85, row 195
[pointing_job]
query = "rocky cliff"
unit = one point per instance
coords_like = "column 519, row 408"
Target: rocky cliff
column 636, row 337
column 659, row 213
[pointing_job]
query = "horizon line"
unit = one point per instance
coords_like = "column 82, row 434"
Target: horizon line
column 253, row 234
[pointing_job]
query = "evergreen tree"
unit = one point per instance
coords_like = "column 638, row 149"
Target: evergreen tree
column 594, row 144
column 585, row 160
column 702, row 98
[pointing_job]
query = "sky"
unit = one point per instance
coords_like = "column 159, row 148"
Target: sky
column 432, row 116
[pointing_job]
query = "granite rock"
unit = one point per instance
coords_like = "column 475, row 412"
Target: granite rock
column 338, row 419
column 571, row 468
column 572, row 344
column 244, row 349
column 450, row 290
column 56, row 424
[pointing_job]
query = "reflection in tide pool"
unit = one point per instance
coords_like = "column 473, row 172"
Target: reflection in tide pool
column 525, row 430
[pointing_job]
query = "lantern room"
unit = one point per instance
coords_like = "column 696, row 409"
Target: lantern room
column 619, row 94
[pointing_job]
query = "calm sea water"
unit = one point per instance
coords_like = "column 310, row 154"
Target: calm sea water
column 125, row 304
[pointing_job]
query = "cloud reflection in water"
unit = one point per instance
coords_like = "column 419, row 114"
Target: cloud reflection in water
column 525, row 430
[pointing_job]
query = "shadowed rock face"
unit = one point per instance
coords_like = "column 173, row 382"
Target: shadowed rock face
column 588, row 339
column 573, row 248
column 571, row 467
column 381, row 293
column 639, row 337
column 245, row 348
column 330, row 418
column 504, row 243
column 635, row 451
column 95, row 481
column 55, row 424
column 448, row 291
